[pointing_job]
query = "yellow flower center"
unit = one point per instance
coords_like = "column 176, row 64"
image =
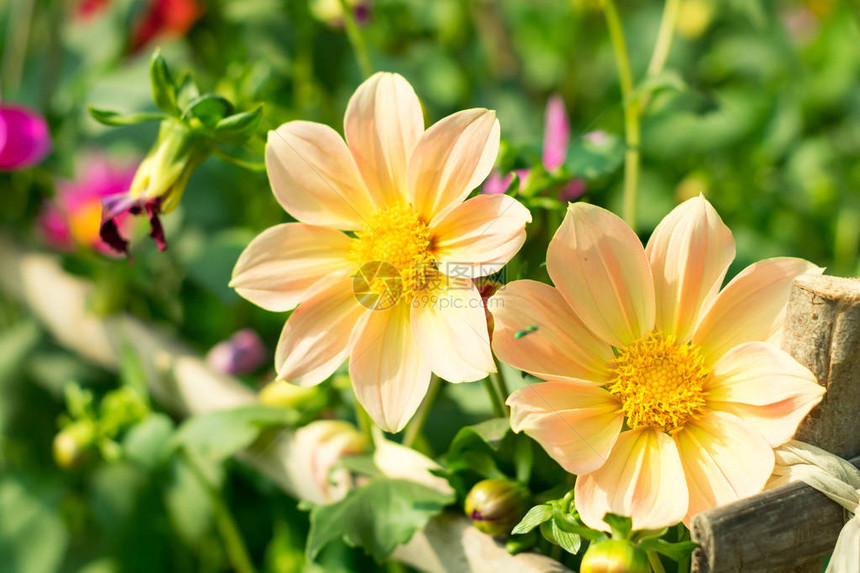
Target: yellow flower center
column 84, row 223
column 399, row 237
column 659, row 382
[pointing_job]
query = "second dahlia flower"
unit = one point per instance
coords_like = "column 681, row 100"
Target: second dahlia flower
column 664, row 394
column 395, row 295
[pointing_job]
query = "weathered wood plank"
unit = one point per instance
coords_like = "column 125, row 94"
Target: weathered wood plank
column 792, row 527
column 822, row 331
column 183, row 382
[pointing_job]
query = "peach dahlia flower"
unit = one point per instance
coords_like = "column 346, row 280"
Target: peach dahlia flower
column 664, row 394
column 382, row 295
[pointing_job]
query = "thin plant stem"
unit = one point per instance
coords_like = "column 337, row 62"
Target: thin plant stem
column 500, row 380
column 656, row 564
column 631, row 110
column 234, row 545
column 20, row 22
column 356, row 39
column 498, row 405
column 664, row 37
column 365, row 423
column 413, row 430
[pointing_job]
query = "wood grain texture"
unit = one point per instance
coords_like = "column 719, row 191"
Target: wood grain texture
column 822, row 331
column 182, row 381
column 789, row 529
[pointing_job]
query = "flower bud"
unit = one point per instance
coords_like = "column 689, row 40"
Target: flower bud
column 283, row 394
column 495, row 506
column 73, row 444
column 240, row 354
column 318, row 448
column 614, row 556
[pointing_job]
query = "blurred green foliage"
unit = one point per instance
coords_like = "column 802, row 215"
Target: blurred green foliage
column 762, row 115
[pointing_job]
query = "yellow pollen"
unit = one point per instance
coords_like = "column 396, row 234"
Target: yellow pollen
column 399, row 237
column 659, row 382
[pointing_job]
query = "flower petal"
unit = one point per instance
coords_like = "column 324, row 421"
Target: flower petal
column 765, row 387
column 751, row 307
column 278, row 267
column 315, row 339
column 561, row 348
column 450, row 328
column 577, row 424
column 480, row 236
column 25, row 139
column 599, row 266
column 314, row 177
column 451, row 159
column 724, row 460
column 643, row 478
column 389, row 373
column 383, row 123
column 690, row 251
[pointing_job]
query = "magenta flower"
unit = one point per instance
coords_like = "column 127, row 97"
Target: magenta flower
column 242, row 353
column 74, row 216
column 24, row 138
column 556, row 139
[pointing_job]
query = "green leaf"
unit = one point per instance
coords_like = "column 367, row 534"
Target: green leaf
column 187, row 90
column 163, row 88
column 570, row 542
column 378, row 516
column 216, row 436
column 473, row 448
column 33, row 538
column 115, row 119
column 189, row 504
column 239, row 125
column 593, row 158
column 667, row 80
column 535, row 516
column 620, row 525
column 362, row 465
column 148, row 443
column 210, row 109
column 674, row 551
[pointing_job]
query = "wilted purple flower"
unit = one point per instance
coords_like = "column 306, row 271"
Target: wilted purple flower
column 240, row 354
column 24, row 138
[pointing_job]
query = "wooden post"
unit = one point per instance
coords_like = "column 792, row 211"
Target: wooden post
column 822, row 331
column 792, row 527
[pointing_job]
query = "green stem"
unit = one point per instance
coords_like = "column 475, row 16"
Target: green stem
column 656, row 564
column 664, row 37
column 20, row 22
column 413, row 431
column 234, row 545
column 498, row 405
column 631, row 110
column 356, row 39
column 365, row 423
column 500, row 380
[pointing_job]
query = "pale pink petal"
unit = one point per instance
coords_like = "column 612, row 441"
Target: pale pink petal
column 383, row 123
column 315, row 339
column 643, row 479
column 278, row 267
column 497, row 183
column 765, row 387
column 450, row 328
column 399, row 462
column 314, row 177
column 451, row 159
column 751, row 307
column 724, row 460
column 599, row 266
column 561, row 348
column 690, row 252
column 389, row 373
column 480, row 235
column 577, row 424
column 556, row 134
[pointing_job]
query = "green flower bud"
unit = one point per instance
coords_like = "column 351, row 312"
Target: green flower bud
column 284, row 394
column 73, row 444
column 614, row 556
column 495, row 506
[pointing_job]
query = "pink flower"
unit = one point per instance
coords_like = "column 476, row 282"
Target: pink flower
column 664, row 393
column 392, row 295
column 240, row 354
column 556, row 139
column 74, row 216
column 313, row 463
column 24, row 138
